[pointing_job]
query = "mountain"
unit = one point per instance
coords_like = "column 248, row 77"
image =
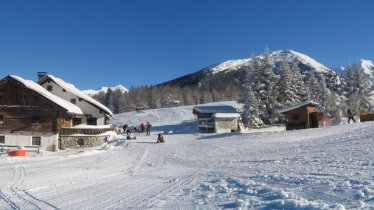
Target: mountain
column 105, row 89
column 232, row 71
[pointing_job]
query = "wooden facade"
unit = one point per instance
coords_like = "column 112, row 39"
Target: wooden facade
column 27, row 117
column 23, row 109
column 302, row 116
column 366, row 117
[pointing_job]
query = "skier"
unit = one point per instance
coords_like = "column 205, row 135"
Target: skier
column 148, row 127
column 160, row 138
column 350, row 116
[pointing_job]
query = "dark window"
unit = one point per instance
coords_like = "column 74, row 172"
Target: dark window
column 36, row 141
column 63, row 90
column 296, row 116
column 77, row 121
column 2, row 139
column 35, row 120
column 91, row 121
column 80, row 142
column 73, row 101
column 1, row 119
column 49, row 88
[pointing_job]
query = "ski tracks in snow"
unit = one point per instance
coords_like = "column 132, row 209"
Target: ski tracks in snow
column 15, row 197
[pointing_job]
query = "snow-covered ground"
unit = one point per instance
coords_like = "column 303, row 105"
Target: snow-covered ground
column 324, row 168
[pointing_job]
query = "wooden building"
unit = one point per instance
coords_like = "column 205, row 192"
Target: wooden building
column 217, row 118
column 94, row 112
column 31, row 115
column 302, row 115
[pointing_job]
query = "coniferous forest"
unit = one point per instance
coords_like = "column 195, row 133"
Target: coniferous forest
column 261, row 86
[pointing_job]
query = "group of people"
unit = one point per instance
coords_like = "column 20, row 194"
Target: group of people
column 137, row 129
column 131, row 131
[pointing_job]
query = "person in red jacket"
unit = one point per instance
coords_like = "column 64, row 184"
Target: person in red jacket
column 142, row 127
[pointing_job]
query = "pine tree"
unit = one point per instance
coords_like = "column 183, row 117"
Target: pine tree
column 358, row 91
column 266, row 89
column 118, row 101
column 250, row 112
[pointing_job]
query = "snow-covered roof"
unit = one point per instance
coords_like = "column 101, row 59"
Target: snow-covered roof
column 226, row 115
column 215, row 109
column 297, row 106
column 73, row 90
column 71, row 108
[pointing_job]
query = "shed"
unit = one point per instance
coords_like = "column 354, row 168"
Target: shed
column 220, row 118
column 302, row 115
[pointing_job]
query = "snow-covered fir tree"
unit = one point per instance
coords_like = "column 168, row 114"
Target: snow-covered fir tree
column 317, row 91
column 357, row 87
column 291, row 87
column 250, row 112
column 265, row 87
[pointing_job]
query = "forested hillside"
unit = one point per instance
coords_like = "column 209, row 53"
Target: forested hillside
column 264, row 83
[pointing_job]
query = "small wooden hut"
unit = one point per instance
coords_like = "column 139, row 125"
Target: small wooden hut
column 218, row 118
column 302, row 116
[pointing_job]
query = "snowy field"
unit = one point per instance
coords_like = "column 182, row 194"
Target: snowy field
column 324, row 168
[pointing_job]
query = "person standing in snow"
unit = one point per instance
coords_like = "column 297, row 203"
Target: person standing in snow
column 148, row 127
column 141, row 127
column 350, row 116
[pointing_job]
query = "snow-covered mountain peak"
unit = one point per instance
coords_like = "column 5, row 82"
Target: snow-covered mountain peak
column 276, row 56
column 105, row 89
column 230, row 64
column 279, row 55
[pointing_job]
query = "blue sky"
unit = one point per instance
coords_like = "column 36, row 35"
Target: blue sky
column 92, row 43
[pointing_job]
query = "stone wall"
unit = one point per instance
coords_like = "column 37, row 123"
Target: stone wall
column 77, row 142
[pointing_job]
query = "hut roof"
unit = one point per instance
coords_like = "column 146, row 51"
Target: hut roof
column 297, row 106
column 214, row 109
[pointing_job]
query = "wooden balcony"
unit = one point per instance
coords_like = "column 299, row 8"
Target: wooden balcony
column 88, row 130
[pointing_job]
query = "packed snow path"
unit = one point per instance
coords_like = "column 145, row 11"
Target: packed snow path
column 324, row 168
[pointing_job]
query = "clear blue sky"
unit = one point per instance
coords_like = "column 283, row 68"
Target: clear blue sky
column 92, row 43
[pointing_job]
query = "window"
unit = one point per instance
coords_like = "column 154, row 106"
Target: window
column 49, row 88
column 2, row 139
column 1, row 119
column 80, row 142
column 36, row 141
column 91, row 121
column 35, row 120
column 73, row 101
column 77, row 121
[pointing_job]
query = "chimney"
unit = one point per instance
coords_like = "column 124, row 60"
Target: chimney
column 41, row 74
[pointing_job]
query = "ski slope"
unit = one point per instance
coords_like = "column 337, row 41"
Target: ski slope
column 324, row 168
